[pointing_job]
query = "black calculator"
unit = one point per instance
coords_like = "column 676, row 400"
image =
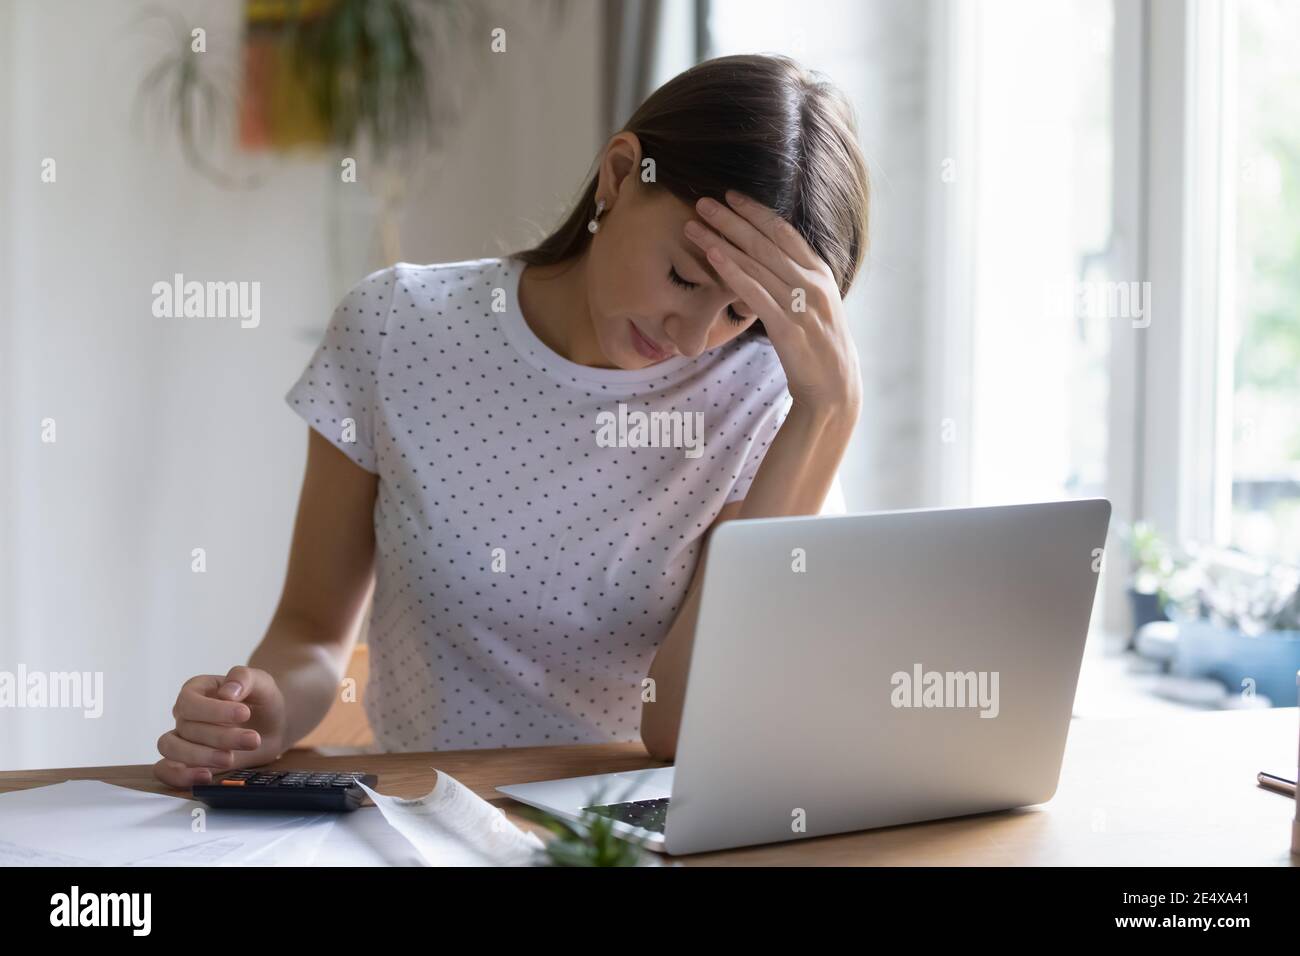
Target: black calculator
column 285, row 790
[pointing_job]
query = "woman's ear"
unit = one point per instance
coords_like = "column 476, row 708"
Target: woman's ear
column 622, row 158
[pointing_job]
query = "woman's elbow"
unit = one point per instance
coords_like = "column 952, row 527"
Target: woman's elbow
column 660, row 752
column 659, row 744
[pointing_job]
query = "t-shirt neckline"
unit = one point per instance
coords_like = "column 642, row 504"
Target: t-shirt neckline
column 545, row 359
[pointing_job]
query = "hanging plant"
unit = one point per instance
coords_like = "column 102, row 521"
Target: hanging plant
column 363, row 66
column 181, row 92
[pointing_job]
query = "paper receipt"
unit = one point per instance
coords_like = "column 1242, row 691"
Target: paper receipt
column 451, row 825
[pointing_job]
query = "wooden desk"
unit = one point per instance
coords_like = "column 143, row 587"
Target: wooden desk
column 1176, row 790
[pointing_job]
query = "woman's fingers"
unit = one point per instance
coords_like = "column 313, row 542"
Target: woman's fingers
column 218, row 736
column 747, row 237
column 240, row 683
column 209, row 712
column 755, row 284
column 817, row 294
column 179, row 775
column 772, row 253
column 785, row 236
column 195, row 702
column 175, row 747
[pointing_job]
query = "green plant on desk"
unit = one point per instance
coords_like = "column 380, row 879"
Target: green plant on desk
column 1153, row 562
column 591, row 840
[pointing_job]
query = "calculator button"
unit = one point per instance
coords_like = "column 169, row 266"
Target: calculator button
column 232, row 783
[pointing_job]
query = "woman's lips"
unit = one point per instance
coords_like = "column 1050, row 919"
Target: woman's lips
column 646, row 347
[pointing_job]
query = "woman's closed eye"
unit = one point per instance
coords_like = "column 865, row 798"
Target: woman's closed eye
column 677, row 280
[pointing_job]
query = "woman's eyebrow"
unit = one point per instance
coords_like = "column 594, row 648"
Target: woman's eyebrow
column 697, row 256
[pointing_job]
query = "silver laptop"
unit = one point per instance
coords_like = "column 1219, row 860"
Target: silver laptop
column 865, row 671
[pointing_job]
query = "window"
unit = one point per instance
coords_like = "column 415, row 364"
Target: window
column 1260, row 324
column 1042, row 297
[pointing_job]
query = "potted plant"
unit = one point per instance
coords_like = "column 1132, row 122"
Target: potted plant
column 1153, row 566
column 1239, row 623
column 591, row 840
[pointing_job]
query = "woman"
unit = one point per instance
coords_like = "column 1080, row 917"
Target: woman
column 486, row 444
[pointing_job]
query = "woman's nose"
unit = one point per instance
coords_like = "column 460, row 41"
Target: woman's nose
column 688, row 335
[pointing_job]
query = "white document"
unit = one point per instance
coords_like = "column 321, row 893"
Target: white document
column 451, row 825
column 92, row 823
column 364, row 838
column 300, row 846
column 14, row 854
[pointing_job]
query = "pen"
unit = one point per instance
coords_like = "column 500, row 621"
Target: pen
column 1295, row 824
column 1274, row 782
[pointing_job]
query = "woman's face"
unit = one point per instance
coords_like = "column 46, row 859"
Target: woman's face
column 651, row 291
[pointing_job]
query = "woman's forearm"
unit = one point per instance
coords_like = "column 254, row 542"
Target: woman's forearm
column 798, row 470
column 306, row 670
column 794, row 478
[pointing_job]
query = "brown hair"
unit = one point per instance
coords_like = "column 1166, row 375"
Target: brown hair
column 762, row 125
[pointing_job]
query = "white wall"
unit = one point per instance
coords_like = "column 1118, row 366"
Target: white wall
column 171, row 433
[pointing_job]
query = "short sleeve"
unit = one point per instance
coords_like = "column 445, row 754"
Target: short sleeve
column 775, row 412
column 337, row 391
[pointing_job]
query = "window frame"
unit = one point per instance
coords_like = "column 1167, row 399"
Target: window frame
column 1170, row 425
column 1194, row 74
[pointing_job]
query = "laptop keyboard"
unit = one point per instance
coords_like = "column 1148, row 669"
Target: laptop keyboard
column 646, row 814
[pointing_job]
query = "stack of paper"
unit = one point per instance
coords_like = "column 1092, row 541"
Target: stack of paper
column 91, row 823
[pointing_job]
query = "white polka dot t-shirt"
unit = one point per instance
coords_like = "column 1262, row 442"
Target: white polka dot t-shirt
column 537, row 521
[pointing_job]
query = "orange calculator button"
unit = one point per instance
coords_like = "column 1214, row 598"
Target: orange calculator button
column 232, row 783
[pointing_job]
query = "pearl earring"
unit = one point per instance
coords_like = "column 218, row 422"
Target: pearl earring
column 594, row 225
